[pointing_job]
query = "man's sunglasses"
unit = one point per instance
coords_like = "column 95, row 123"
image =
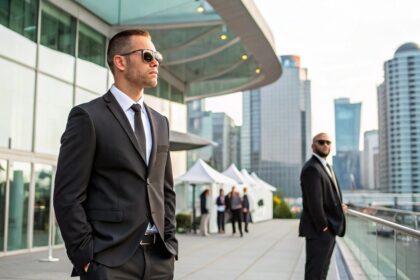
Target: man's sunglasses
column 323, row 142
column 147, row 55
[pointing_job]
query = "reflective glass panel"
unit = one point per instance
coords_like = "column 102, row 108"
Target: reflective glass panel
column 91, row 45
column 3, row 173
column 58, row 29
column 18, row 206
column 43, row 177
column 20, row 16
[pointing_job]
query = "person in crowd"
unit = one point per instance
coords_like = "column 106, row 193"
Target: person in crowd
column 236, row 210
column 204, row 220
column 114, row 198
column 246, row 209
column 323, row 215
column 220, row 203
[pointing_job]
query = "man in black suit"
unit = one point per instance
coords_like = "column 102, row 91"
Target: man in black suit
column 323, row 211
column 114, row 197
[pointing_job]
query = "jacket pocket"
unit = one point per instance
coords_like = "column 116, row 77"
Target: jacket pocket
column 105, row 215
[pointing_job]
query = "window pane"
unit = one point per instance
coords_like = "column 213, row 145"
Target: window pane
column 18, row 207
column 176, row 95
column 163, row 89
column 58, row 29
column 91, row 45
column 43, row 175
column 3, row 173
column 20, row 16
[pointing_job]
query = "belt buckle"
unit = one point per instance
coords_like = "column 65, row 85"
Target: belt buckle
column 149, row 243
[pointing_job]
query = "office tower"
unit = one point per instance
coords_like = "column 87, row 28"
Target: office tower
column 347, row 133
column 399, row 121
column 370, row 161
column 276, row 128
column 218, row 127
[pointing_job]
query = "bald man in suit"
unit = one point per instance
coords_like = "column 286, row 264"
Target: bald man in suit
column 323, row 212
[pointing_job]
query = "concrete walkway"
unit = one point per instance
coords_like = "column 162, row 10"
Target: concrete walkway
column 271, row 250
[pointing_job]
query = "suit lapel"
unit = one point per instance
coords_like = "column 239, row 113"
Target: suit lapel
column 153, row 128
column 119, row 114
column 333, row 186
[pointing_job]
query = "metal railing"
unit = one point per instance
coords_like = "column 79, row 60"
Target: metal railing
column 383, row 248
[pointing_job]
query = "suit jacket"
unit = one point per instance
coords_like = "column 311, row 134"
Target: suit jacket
column 105, row 194
column 321, row 202
column 203, row 204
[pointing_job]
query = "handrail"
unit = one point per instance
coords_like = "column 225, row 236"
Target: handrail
column 397, row 227
column 395, row 210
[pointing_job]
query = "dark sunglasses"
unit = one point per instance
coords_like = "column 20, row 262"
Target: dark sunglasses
column 323, row 142
column 147, row 55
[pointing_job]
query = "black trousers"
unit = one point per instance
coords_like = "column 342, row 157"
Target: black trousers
column 221, row 221
column 237, row 218
column 246, row 220
column 318, row 255
column 150, row 262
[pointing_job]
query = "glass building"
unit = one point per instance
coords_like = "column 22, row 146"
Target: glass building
column 399, row 122
column 217, row 127
column 347, row 134
column 276, row 128
column 52, row 57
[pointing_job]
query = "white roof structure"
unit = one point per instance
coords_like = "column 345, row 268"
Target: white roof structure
column 202, row 173
column 234, row 173
column 248, row 179
column 262, row 182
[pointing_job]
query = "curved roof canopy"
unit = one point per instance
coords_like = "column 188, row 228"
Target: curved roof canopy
column 210, row 47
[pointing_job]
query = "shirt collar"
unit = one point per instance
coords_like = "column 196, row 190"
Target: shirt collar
column 323, row 161
column 125, row 101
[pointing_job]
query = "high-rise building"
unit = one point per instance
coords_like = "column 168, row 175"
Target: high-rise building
column 347, row 133
column 276, row 128
column 399, row 121
column 218, row 127
column 370, row 161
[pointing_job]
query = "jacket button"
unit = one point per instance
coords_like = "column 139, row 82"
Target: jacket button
column 148, row 181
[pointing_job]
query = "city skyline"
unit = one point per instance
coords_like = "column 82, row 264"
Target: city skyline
column 344, row 47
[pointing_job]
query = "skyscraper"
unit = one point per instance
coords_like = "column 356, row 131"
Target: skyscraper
column 218, row 127
column 276, row 128
column 370, row 160
column 347, row 133
column 399, row 121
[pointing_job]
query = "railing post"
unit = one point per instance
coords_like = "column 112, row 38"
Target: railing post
column 395, row 251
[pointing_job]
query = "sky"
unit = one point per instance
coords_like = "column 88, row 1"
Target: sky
column 343, row 44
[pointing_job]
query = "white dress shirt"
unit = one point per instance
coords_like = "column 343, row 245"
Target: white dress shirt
column 126, row 103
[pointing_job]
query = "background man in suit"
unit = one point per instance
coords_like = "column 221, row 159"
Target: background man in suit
column 114, row 197
column 323, row 211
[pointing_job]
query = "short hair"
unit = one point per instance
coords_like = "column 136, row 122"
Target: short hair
column 120, row 43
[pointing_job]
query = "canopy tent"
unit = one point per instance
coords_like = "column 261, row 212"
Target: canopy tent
column 263, row 183
column 201, row 173
column 263, row 198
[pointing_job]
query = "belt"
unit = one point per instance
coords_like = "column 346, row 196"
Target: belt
column 148, row 239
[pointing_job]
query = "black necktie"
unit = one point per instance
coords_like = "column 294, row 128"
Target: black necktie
column 139, row 129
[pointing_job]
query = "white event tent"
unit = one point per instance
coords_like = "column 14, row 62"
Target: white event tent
column 262, row 197
column 202, row 174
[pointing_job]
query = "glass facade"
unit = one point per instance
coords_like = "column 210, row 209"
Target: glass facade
column 20, row 16
column 43, row 182
column 276, row 131
column 3, row 182
column 399, row 122
column 58, row 29
column 18, row 206
column 92, row 45
column 347, row 134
